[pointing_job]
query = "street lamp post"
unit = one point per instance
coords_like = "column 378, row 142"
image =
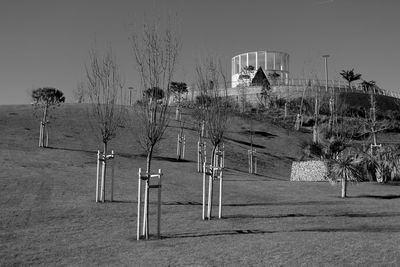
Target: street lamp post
column 130, row 95
column 331, row 100
column 326, row 71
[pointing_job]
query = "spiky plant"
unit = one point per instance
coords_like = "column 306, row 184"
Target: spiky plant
column 347, row 169
column 350, row 76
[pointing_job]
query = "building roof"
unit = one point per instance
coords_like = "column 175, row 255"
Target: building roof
column 260, row 78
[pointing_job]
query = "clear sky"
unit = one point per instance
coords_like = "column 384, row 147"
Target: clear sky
column 46, row 42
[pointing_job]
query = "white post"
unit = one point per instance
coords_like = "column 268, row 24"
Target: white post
column 198, row 156
column 183, row 147
column 248, row 159
column 255, row 161
column 204, row 159
column 210, row 192
column 139, row 204
column 177, row 113
column 223, row 155
column 204, row 191
column 178, row 146
column 112, row 175
column 98, row 176
column 103, row 176
column 251, row 161
column 146, row 208
column 220, row 194
column 47, row 136
column 159, row 205
column 41, row 134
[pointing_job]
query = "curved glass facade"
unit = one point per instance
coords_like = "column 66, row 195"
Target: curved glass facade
column 270, row 61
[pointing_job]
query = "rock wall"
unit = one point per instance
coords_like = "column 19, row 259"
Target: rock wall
column 312, row 171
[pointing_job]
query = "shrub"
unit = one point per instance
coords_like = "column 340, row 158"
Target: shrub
column 203, row 100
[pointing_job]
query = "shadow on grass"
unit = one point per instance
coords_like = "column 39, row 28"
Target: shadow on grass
column 185, row 127
column 72, row 149
column 297, row 203
column 243, row 142
column 131, row 156
column 172, row 159
column 267, row 178
column 261, row 133
column 378, row 196
column 122, row 201
column 356, row 229
column 300, row 215
column 193, row 203
column 278, row 157
column 180, row 203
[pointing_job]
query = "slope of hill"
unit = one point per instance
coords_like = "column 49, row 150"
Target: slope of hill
column 361, row 100
column 48, row 215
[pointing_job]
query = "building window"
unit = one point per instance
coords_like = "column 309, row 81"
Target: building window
column 252, row 59
column 236, row 65
column 270, row 61
column 278, row 61
column 261, row 60
column 243, row 61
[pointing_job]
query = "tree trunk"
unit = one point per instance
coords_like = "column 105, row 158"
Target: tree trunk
column 315, row 128
column 146, row 195
column 210, row 183
column 344, row 186
column 44, row 129
column 148, row 160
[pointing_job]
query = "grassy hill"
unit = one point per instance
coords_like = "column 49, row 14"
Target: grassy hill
column 48, row 215
column 357, row 100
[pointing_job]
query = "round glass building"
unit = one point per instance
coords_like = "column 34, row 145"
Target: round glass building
column 269, row 61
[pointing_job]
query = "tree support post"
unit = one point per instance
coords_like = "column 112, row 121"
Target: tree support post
column 41, row 134
column 219, row 159
column 212, row 173
column 180, row 147
column 98, row 176
column 252, row 159
column 103, row 159
column 146, row 177
column 201, row 155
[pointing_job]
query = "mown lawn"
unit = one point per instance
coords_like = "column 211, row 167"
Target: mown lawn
column 48, row 215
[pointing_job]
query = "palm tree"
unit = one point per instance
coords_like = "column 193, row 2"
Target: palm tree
column 346, row 168
column 387, row 164
column 350, row 76
column 368, row 86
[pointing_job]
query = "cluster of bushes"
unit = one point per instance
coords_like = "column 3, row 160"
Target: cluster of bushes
column 382, row 164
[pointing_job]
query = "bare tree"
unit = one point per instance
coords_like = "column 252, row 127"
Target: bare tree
column 370, row 88
column 245, row 77
column 79, row 92
column 103, row 86
column 223, row 74
column 43, row 99
column 156, row 50
column 215, row 111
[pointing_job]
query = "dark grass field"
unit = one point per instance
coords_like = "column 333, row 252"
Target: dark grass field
column 48, row 215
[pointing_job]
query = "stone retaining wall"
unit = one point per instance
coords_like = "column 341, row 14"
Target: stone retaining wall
column 312, row 171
